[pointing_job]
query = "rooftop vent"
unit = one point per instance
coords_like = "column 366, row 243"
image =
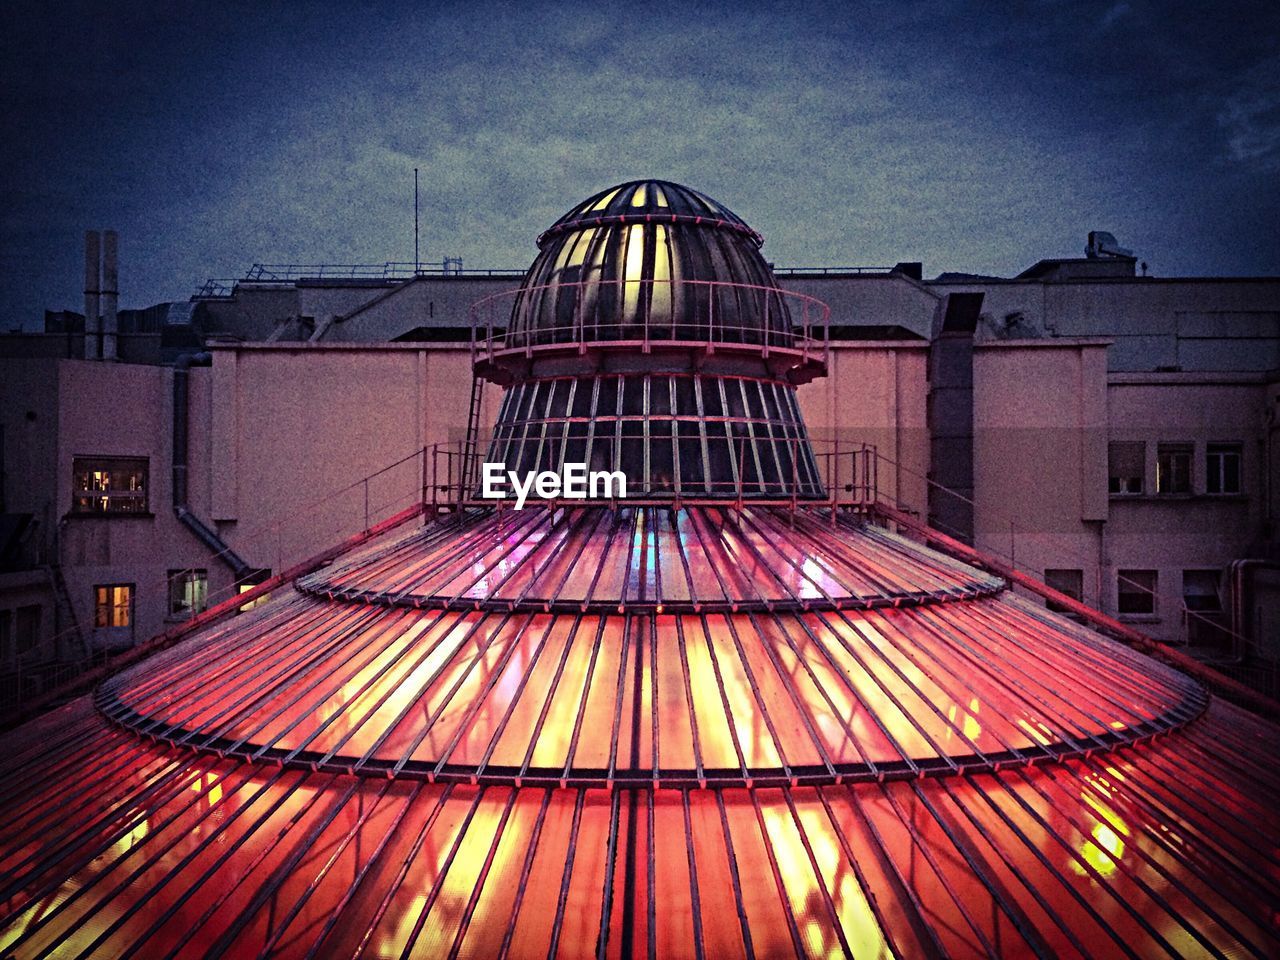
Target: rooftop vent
column 1103, row 246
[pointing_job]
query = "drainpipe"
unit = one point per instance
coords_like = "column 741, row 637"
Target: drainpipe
column 181, row 389
column 1239, row 569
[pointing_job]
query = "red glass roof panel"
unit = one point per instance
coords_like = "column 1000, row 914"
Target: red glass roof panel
column 1093, row 856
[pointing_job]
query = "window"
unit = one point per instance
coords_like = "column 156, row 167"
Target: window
column 1070, row 582
column 188, row 592
column 6, row 635
column 661, row 430
column 248, row 582
column 26, row 628
column 109, row 485
column 1173, row 468
column 1136, row 592
column 1222, row 468
column 1200, row 590
column 1126, row 464
column 1203, row 617
column 113, row 605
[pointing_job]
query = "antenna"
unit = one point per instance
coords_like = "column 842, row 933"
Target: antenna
column 416, row 259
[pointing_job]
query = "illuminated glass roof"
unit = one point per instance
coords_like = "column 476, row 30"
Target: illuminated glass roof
column 649, row 201
column 652, row 560
column 533, row 652
column 752, row 728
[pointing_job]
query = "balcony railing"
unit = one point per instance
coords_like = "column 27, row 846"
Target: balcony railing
column 848, row 472
column 647, row 314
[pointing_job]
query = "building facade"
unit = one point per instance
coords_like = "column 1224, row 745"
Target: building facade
column 738, row 714
column 1106, row 431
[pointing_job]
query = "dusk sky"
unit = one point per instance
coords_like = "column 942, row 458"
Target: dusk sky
column 216, row 135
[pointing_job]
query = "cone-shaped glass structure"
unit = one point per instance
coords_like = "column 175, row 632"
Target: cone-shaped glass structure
column 650, row 337
column 716, row 721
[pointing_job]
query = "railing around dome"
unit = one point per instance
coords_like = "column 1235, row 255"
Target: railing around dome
column 848, row 471
column 642, row 314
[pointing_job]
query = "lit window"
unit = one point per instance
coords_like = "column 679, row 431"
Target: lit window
column 109, row 485
column 188, row 592
column 604, row 201
column 1070, row 582
column 248, row 582
column 1173, row 468
column 1136, row 592
column 1222, row 468
column 113, row 605
column 1126, row 464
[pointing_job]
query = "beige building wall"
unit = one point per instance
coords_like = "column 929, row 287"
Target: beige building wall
column 875, row 393
column 282, row 437
column 1039, row 454
column 296, row 429
column 1044, row 412
column 124, row 410
column 1196, row 531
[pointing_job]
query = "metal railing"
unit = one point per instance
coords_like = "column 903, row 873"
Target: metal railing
column 217, row 287
column 706, row 314
column 830, row 271
column 389, row 270
column 281, row 544
column 1202, row 638
column 848, row 473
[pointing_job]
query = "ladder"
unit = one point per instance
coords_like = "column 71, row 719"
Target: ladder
column 66, row 623
column 473, row 436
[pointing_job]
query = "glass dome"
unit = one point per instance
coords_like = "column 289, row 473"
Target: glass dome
column 650, row 260
column 650, row 337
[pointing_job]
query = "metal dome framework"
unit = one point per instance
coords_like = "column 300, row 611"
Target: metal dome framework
column 698, row 435
column 705, row 727
column 650, row 337
column 650, row 255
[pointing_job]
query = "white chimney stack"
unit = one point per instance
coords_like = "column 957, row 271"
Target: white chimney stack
column 110, row 295
column 92, row 287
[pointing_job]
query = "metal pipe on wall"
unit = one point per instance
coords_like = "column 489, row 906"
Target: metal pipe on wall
column 181, row 435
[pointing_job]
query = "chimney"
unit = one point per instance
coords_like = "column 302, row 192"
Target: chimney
column 110, row 294
column 91, row 290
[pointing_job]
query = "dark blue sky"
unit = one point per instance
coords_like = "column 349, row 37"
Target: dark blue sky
column 215, row 135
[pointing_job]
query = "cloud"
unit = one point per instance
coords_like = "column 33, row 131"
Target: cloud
column 972, row 140
column 1251, row 117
